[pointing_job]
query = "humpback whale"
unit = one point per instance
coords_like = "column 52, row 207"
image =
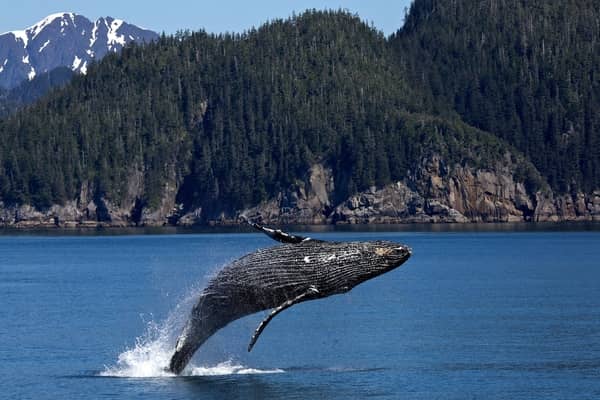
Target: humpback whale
column 299, row 269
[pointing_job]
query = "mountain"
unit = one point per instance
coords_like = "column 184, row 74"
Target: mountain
column 528, row 72
column 29, row 91
column 62, row 40
column 314, row 119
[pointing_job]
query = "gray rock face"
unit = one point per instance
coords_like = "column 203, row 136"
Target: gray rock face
column 569, row 207
column 396, row 202
column 438, row 193
column 305, row 202
column 91, row 210
column 434, row 192
column 63, row 40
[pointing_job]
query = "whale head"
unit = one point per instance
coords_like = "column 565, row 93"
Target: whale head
column 380, row 257
column 362, row 261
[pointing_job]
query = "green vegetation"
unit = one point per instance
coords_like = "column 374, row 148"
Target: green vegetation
column 527, row 71
column 233, row 119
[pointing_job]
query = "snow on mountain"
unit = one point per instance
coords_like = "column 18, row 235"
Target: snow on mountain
column 113, row 38
column 63, row 39
column 39, row 27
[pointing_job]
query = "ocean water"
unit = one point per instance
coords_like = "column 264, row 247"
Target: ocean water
column 472, row 315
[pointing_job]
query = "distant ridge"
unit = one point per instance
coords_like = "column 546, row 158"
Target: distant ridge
column 62, row 40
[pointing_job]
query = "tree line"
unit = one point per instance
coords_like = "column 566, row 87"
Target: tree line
column 526, row 71
column 231, row 119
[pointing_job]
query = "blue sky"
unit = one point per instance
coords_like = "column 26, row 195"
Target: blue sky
column 214, row 16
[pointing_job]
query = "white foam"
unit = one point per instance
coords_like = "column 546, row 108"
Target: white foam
column 228, row 368
column 152, row 351
column 150, row 358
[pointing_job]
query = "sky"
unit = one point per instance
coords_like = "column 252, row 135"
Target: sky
column 214, row 16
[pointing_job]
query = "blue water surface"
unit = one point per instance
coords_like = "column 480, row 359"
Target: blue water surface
column 472, row 315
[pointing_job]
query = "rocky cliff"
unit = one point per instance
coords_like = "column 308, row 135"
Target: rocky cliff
column 434, row 192
column 91, row 209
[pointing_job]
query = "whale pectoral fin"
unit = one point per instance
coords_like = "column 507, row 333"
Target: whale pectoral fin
column 311, row 291
column 277, row 234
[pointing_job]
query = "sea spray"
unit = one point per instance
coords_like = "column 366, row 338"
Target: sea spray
column 153, row 350
column 227, row 368
column 150, row 356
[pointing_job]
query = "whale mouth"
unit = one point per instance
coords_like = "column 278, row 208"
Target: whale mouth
column 409, row 251
column 403, row 250
column 402, row 253
column 398, row 255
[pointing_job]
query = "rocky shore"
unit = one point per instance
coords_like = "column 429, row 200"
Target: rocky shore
column 433, row 193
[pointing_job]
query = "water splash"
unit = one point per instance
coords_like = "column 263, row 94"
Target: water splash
column 152, row 351
column 149, row 358
column 228, row 368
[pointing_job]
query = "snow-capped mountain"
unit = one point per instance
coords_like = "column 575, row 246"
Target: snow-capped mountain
column 63, row 39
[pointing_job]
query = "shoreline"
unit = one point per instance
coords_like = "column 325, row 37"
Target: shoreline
column 441, row 227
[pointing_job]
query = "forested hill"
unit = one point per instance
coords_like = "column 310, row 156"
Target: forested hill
column 234, row 117
column 527, row 71
column 216, row 124
column 30, row 90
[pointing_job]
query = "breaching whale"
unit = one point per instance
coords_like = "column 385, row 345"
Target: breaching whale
column 278, row 277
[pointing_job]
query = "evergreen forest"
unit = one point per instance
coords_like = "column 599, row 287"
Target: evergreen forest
column 526, row 71
column 232, row 119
